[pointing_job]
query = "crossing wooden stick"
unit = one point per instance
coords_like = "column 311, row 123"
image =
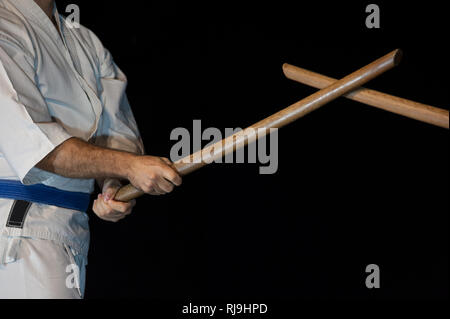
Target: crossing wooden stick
column 418, row 111
column 277, row 120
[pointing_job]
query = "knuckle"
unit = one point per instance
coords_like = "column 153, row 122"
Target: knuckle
column 147, row 189
column 172, row 175
column 122, row 209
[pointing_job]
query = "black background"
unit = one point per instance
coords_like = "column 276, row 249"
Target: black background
column 355, row 185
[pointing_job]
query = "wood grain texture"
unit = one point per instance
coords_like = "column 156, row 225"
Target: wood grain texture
column 418, row 111
column 285, row 116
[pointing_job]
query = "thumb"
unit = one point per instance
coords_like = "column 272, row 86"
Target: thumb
column 110, row 188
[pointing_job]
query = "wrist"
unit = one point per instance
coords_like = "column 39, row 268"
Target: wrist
column 127, row 166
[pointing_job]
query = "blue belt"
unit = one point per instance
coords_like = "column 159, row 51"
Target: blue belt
column 43, row 194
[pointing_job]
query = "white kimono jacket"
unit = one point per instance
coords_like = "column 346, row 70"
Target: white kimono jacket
column 52, row 87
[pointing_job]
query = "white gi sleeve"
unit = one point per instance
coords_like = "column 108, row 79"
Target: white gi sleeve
column 27, row 131
column 117, row 128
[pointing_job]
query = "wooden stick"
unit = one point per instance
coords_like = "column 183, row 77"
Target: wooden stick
column 418, row 111
column 291, row 113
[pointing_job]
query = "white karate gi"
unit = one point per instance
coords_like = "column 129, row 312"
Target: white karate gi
column 53, row 86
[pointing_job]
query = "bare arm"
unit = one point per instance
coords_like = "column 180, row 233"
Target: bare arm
column 76, row 158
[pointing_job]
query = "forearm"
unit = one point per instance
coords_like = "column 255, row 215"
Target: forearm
column 76, row 158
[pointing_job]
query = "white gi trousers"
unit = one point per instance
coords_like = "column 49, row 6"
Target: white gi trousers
column 43, row 252
column 41, row 269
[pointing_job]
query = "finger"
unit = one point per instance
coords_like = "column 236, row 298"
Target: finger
column 157, row 189
column 113, row 219
column 105, row 212
column 131, row 203
column 166, row 160
column 170, row 163
column 101, row 206
column 117, row 206
column 107, row 209
column 95, row 206
column 121, row 217
column 110, row 189
column 165, row 185
column 128, row 212
column 153, row 192
column 101, row 209
column 171, row 175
